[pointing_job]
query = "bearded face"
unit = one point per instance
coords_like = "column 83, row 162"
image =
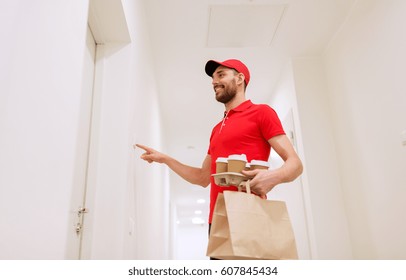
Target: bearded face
column 225, row 92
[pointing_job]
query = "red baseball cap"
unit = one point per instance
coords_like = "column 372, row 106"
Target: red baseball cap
column 240, row 67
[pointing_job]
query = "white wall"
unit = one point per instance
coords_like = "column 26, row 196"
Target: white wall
column 301, row 90
column 40, row 89
column 151, row 180
column 327, row 205
column 295, row 194
column 365, row 67
column 131, row 199
column 351, row 106
column 40, row 101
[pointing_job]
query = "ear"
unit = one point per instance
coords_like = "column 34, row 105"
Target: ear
column 241, row 78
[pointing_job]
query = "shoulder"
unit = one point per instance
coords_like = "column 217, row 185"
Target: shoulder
column 264, row 109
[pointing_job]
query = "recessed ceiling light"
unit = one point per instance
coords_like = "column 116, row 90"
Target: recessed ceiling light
column 198, row 212
column 201, row 201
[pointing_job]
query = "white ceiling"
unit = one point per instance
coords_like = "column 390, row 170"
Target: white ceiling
column 264, row 34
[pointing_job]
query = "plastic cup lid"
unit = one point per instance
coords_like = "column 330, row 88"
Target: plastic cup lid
column 237, row 157
column 221, row 159
column 260, row 162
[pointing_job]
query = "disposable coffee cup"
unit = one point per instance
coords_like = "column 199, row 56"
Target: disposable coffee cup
column 259, row 164
column 236, row 163
column 247, row 166
column 221, row 165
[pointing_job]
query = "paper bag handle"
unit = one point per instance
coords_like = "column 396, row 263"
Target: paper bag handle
column 247, row 187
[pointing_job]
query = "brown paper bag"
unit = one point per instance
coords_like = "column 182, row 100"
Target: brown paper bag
column 244, row 226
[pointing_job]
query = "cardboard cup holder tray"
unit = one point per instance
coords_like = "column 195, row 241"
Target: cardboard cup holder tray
column 229, row 179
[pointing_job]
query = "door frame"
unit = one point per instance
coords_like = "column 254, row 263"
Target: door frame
column 107, row 22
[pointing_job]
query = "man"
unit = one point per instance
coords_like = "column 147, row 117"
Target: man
column 246, row 128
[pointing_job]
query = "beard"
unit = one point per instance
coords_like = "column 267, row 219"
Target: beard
column 229, row 92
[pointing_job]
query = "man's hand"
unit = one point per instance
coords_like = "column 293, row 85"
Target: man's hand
column 150, row 154
column 263, row 181
column 194, row 175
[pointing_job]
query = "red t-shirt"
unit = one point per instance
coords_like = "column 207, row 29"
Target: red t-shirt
column 245, row 129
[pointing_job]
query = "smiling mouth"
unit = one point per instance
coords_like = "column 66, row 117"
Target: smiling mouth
column 216, row 88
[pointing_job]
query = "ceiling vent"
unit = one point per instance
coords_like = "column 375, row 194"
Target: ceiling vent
column 241, row 26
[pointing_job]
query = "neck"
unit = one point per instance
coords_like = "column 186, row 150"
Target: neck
column 235, row 102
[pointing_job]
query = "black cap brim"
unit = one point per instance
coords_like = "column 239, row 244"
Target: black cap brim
column 211, row 66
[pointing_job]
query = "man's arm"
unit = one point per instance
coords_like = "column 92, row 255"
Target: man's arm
column 194, row 175
column 265, row 180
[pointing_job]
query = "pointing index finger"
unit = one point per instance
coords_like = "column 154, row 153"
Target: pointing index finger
column 145, row 148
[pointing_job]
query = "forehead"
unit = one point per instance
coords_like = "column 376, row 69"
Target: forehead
column 222, row 69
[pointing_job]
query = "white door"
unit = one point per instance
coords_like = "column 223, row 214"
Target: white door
column 78, row 209
column 292, row 194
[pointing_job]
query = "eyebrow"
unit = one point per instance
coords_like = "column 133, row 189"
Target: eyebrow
column 223, row 70
column 219, row 71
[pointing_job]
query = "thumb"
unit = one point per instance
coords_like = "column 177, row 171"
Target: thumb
column 250, row 173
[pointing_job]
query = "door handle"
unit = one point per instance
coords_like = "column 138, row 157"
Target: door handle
column 78, row 228
column 82, row 210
